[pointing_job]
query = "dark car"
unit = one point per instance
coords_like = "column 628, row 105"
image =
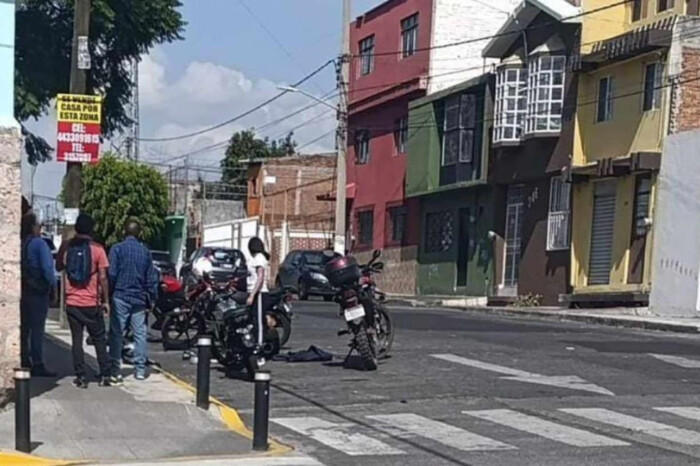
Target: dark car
column 163, row 263
column 304, row 271
column 227, row 264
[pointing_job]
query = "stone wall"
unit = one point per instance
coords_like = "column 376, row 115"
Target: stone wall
column 10, row 213
column 400, row 269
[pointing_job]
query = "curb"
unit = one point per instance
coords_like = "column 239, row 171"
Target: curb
column 14, row 458
column 230, row 417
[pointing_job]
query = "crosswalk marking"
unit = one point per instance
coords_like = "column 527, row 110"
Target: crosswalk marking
column 688, row 412
column 653, row 428
column 337, row 437
column 677, row 360
column 547, row 429
column 440, row 432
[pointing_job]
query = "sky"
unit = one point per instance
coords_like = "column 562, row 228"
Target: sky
column 234, row 55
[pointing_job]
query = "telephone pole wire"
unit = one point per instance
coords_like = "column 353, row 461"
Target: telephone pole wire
column 343, row 75
column 78, row 85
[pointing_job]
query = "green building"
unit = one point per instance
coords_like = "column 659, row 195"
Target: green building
column 448, row 155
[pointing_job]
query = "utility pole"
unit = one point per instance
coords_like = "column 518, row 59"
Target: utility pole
column 78, row 85
column 343, row 75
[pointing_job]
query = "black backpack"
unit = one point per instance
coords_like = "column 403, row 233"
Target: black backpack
column 79, row 262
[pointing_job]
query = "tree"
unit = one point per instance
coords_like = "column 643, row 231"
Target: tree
column 116, row 190
column 120, row 32
column 243, row 145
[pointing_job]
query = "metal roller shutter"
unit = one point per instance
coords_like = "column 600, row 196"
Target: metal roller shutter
column 602, row 233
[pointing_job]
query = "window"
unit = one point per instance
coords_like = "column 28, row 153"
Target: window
column 559, row 212
column 401, row 135
column 458, row 134
column 362, row 147
column 409, row 36
column 396, row 226
column 637, row 10
column 367, row 55
column 653, row 81
column 545, row 94
column 641, row 204
column 438, row 231
column 511, row 100
column 515, row 205
column 605, row 99
column 365, row 227
column 665, row 5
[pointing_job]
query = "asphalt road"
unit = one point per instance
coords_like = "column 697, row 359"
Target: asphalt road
column 473, row 389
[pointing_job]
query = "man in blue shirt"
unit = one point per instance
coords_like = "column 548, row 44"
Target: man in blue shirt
column 38, row 284
column 134, row 282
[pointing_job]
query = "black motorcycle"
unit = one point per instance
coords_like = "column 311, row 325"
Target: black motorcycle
column 362, row 307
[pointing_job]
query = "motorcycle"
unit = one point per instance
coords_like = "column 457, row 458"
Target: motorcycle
column 362, row 307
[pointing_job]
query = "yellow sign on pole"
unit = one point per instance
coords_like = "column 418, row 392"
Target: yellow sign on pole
column 74, row 108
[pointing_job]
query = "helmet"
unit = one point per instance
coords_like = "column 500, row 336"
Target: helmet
column 202, row 267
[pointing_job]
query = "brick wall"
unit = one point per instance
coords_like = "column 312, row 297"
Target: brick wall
column 400, row 269
column 688, row 107
column 10, row 212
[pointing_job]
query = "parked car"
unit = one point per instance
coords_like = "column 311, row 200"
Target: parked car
column 304, row 270
column 163, row 263
column 227, row 264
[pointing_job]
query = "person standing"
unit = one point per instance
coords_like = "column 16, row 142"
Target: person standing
column 87, row 297
column 38, row 284
column 134, row 280
column 258, row 277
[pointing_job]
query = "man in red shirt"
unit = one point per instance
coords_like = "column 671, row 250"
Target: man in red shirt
column 87, row 297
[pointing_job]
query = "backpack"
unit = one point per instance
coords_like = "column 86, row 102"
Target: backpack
column 79, row 262
column 33, row 282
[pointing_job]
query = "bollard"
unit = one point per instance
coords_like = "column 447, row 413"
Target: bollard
column 262, row 411
column 22, row 427
column 203, row 367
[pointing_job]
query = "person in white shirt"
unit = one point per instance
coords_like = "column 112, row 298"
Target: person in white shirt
column 258, row 276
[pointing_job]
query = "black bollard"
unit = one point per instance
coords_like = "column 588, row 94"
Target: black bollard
column 203, row 368
column 22, row 427
column 261, row 415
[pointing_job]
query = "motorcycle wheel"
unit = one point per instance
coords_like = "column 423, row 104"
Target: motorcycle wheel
column 303, row 293
column 384, row 329
column 365, row 347
column 180, row 331
column 251, row 366
column 283, row 327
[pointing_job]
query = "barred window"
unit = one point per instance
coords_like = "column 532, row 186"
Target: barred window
column 365, row 227
column 439, row 232
column 396, row 227
column 559, row 215
column 545, row 94
column 511, row 104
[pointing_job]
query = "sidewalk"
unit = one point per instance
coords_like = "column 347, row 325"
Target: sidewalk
column 619, row 317
column 140, row 421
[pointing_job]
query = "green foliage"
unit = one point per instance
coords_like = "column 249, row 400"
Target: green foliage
column 120, row 31
column 243, row 145
column 115, row 190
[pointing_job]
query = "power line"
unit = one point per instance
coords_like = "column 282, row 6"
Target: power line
column 242, row 115
column 317, row 139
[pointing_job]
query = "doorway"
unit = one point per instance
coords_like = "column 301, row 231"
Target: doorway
column 463, row 247
column 602, row 232
column 514, row 238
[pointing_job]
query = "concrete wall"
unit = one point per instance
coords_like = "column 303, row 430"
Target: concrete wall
column 676, row 250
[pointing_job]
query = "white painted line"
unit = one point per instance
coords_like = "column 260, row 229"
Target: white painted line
column 570, row 382
column 688, row 412
column 624, row 421
column 677, row 360
column 240, row 461
column 440, row 432
column 547, row 429
column 337, row 437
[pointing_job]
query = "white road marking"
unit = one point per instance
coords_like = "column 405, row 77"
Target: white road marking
column 625, row 421
column 688, row 412
column 292, row 460
column 440, row 432
column 547, row 429
column 570, row 382
column 677, row 360
column 337, row 437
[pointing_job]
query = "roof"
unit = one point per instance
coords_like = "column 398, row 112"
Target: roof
column 323, row 158
column 522, row 16
column 461, row 87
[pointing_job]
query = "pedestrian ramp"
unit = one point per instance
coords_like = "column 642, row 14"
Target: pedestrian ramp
column 496, row 430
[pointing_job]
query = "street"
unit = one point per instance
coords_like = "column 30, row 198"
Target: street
column 473, row 389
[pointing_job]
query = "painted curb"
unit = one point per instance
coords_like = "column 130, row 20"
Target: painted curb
column 14, row 458
column 230, row 417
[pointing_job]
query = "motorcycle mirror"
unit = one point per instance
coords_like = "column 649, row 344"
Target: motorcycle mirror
column 378, row 266
column 376, row 254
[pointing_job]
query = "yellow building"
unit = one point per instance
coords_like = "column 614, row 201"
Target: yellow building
column 635, row 87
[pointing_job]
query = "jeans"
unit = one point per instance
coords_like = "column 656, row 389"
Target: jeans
column 91, row 318
column 33, row 311
column 136, row 314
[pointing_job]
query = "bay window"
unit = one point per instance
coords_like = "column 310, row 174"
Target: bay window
column 511, row 100
column 545, row 96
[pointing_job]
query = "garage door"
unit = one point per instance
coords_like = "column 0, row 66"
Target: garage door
column 602, row 233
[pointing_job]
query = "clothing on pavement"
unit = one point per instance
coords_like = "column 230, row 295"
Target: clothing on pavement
column 135, row 314
column 132, row 275
column 89, row 295
column 91, row 318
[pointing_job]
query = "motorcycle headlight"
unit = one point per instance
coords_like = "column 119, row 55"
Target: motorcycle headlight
column 319, row 277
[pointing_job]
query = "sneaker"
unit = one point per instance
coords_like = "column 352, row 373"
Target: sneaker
column 80, row 382
column 116, row 380
column 140, row 375
column 42, row 371
column 104, row 381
